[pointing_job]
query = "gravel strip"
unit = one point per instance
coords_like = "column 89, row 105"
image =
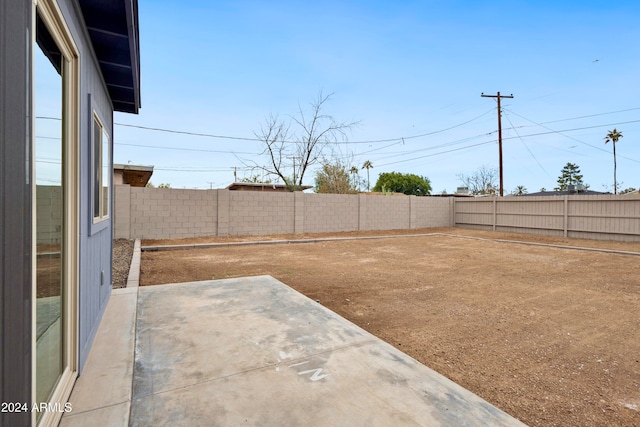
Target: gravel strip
column 122, row 253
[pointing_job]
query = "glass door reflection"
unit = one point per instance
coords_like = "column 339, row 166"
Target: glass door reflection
column 49, row 211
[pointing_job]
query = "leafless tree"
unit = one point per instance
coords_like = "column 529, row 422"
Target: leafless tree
column 482, row 181
column 291, row 153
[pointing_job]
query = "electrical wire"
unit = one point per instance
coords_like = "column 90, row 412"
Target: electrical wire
column 295, row 142
column 439, row 153
column 591, row 115
column 526, row 146
column 560, row 132
column 187, row 149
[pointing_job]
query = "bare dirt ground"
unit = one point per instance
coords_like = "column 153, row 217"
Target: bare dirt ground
column 549, row 335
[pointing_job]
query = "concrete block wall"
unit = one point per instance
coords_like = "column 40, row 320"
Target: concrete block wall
column 256, row 213
column 384, row 212
column 431, row 211
column 49, row 214
column 122, row 211
column 162, row 213
column 153, row 213
column 330, row 212
column 157, row 213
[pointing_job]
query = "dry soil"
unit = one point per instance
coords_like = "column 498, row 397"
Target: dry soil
column 549, row 335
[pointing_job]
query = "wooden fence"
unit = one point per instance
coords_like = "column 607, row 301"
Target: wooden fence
column 605, row 217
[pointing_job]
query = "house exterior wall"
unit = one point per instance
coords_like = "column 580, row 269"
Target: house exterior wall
column 606, row 217
column 15, row 208
column 157, row 213
column 95, row 240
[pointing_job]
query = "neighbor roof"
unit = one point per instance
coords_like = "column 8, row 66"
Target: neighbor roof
column 113, row 28
column 566, row 192
column 259, row 186
column 134, row 175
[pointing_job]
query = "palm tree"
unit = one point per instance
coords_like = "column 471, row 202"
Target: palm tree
column 354, row 171
column 613, row 136
column 367, row 165
column 520, row 190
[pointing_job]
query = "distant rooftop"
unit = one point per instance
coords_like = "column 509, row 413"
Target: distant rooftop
column 567, row 192
column 134, row 175
column 261, row 186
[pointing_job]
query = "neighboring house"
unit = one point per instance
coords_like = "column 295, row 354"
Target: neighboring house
column 566, row 192
column 259, row 186
column 134, row 175
column 65, row 67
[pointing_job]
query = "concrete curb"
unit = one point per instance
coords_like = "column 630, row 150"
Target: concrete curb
column 276, row 242
column 133, row 280
column 394, row 236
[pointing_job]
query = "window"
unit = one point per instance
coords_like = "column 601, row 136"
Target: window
column 101, row 175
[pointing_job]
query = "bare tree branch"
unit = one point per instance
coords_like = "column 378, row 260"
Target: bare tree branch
column 274, row 133
column 482, row 181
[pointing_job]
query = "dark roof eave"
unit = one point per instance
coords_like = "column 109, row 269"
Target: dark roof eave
column 114, row 32
column 134, row 49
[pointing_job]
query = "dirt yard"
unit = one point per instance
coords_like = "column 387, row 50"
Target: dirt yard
column 549, row 335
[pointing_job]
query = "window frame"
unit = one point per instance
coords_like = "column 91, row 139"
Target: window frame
column 51, row 15
column 100, row 148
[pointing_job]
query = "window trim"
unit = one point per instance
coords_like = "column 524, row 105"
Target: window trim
column 101, row 221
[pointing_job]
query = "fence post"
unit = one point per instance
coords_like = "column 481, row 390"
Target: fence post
column 361, row 208
column 452, row 211
column 495, row 212
column 224, row 201
column 566, row 216
column 298, row 212
column 412, row 212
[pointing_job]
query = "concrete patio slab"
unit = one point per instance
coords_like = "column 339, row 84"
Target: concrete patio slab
column 254, row 351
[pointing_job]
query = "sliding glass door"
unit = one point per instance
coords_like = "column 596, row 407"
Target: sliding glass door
column 50, row 224
column 55, row 205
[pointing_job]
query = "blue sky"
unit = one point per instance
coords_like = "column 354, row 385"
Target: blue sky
column 401, row 69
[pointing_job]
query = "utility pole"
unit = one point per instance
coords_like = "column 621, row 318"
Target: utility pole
column 498, row 96
column 294, row 158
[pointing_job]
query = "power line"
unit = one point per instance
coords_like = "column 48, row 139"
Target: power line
column 176, row 169
column 182, row 132
column 293, row 142
column 560, row 132
column 439, row 153
column 592, row 115
column 208, row 135
column 527, row 147
column 397, row 139
column 444, row 145
column 187, row 149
